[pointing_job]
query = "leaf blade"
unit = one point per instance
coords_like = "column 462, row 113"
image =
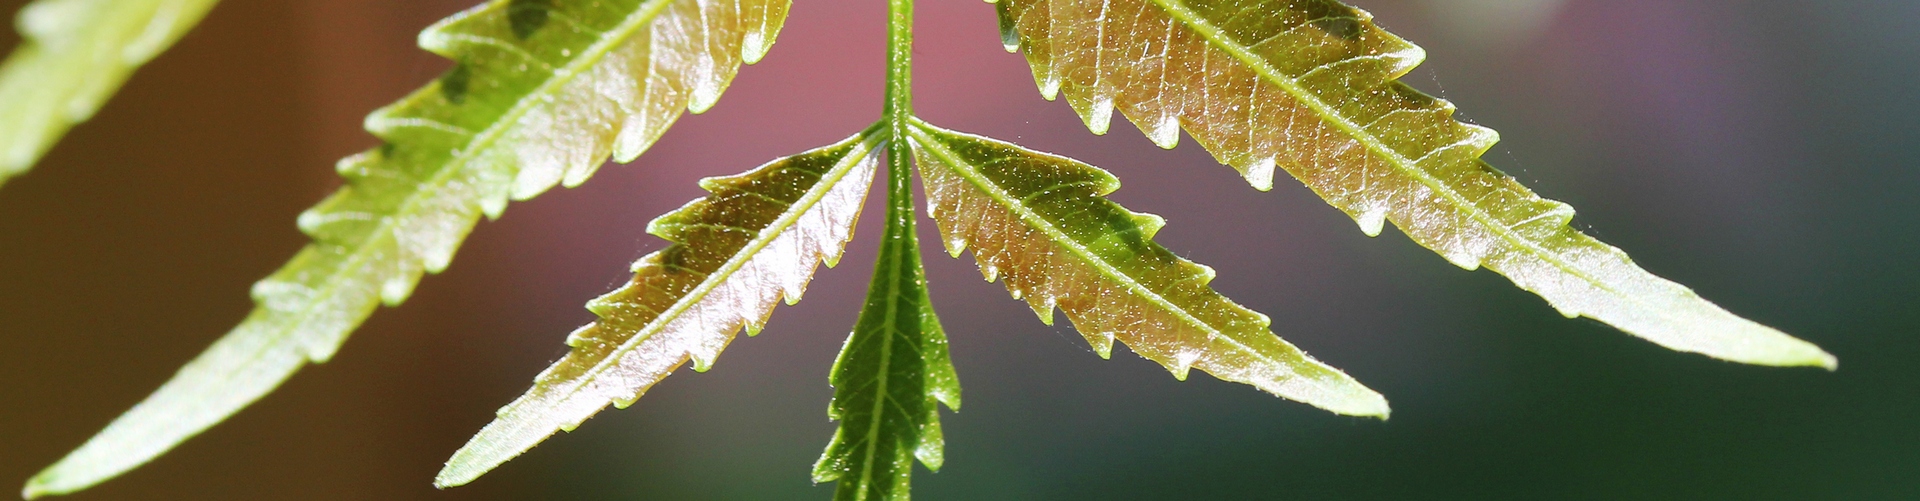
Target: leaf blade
column 686, row 301
column 1041, row 221
column 74, row 55
column 1310, row 86
column 893, row 372
column 486, row 132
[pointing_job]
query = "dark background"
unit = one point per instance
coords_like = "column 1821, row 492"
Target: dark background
column 1758, row 151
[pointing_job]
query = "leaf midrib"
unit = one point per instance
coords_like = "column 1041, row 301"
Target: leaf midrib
column 886, row 361
column 1179, row 11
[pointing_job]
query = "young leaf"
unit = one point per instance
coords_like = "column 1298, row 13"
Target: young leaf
column 892, row 370
column 73, row 55
column 1310, row 86
column 756, row 239
column 544, row 90
column 1041, row 221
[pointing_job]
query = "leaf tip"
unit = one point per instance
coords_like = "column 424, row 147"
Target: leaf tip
column 1183, row 364
column 1149, row 224
column 1260, row 174
column 31, row 491
column 1043, row 307
column 54, row 482
column 826, row 469
column 454, row 474
column 1164, row 133
column 1097, row 114
column 1798, row 353
column 1375, row 406
column 68, row 476
column 704, row 97
column 702, row 361
column 949, row 396
column 754, row 47
column 1102, row 343
column 1354, row 400
column 1372, row 221
column 1745, row 342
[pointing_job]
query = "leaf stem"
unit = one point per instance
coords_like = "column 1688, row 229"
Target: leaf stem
column 899, row 92
column 899, row 117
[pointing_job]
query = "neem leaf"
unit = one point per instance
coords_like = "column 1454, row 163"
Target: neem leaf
column 1310, row 86
column 891, row 372
column 542, row 93
column 74, row 54
column 1040, row 221
column 756, row 239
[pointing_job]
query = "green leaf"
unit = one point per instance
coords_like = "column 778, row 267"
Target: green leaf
column 73, row 56
column 543, row 91
column 756, row 239
column 1310, row 86
column 892, row 370
column 1040, row 221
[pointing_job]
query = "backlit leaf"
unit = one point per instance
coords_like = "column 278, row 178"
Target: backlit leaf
column 1310, row 86
column 74, row 54
column 891, row 372
column 1040, row 221
column 542, row 92
column 756, row 239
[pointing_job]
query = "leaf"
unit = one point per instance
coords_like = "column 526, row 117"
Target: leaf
column 1310, row 86
column 757, row 238
column 544, row 90
column 891, row 372
column 74, row 55
column 1040, row 221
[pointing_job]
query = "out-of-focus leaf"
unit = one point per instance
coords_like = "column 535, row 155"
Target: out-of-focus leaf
column 756, row 239
column 1040, row 221
column 892, row 370
column 1310, row 86
column 543, row 91
column 73, row 56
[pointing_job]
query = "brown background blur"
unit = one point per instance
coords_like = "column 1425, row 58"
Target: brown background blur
column 1757, row 151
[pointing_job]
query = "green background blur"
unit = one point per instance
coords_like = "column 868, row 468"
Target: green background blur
column 1762, row 152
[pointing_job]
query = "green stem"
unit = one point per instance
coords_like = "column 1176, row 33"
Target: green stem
column 897, row 283
column 899, row 64
column 899, row 115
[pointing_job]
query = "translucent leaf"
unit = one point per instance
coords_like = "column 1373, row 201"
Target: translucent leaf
column 543, row 92
column 1310, row 86
column 756, row 239
column 891, row 372
column 73, row 56
column 1040, row 221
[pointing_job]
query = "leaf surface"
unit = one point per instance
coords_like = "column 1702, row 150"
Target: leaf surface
column 892, row 371
column 73, row 56
column 542, row 92
column 1041, row 221
column 756, row 239
column 1310, row 86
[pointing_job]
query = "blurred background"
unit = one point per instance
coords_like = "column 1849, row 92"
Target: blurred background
column 1761, row 152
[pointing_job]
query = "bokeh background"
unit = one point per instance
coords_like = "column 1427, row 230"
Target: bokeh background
column 1762, row 152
